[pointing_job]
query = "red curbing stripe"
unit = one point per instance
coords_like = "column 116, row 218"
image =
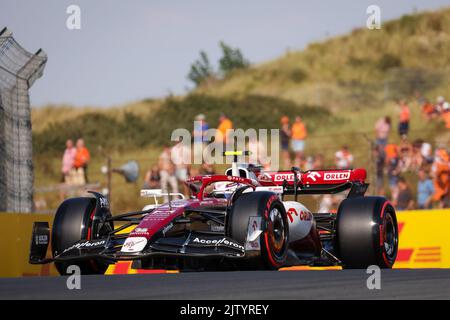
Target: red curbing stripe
column 122, row 267
column 45, row 270
column 153, row 271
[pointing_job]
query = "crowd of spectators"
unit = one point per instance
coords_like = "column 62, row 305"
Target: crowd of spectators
column 440, row 110
column 408, row 161
column 75, row 162
column 414, row 174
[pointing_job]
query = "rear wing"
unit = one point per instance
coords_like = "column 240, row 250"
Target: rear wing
column 317, row 181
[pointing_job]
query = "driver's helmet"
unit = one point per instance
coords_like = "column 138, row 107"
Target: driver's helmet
column 246, row 171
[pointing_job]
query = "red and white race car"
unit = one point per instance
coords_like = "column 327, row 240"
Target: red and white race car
column 243, row 219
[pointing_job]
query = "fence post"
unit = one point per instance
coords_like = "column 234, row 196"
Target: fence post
column 19, row 69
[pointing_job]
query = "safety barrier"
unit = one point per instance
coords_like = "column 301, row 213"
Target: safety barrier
column 424, row 239
column 15, row 245
column 424, row 243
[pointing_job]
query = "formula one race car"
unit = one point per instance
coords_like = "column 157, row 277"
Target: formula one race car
column 240, row 220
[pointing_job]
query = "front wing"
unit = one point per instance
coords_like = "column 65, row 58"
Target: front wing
column 109, row 249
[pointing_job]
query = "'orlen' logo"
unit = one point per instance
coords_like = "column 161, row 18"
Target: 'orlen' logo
column 304, row 215
column 285, row 176
column 338, row 175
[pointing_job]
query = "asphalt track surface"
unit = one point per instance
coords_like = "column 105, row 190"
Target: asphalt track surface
column 346, row 284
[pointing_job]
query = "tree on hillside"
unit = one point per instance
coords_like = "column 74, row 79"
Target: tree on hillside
column 232, row 59
column 201, row 69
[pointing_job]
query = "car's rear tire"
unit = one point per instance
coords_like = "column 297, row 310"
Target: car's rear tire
column 74, row 222
column 274, row 241
column 366, row 233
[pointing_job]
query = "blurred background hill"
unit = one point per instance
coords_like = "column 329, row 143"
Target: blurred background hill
column 356, row 70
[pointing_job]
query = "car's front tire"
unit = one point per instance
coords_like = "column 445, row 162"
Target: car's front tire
column 73, row 222
column 274, row 241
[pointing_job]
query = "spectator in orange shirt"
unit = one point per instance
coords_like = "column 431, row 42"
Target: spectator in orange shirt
column 298, row 134
column 392, row 160
column 225, row 124
column 82, row 158
column 446, row 115
column 391, row 151
column 441, row 172
column 428, row 110
column 442, row 189
column 405, row 115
